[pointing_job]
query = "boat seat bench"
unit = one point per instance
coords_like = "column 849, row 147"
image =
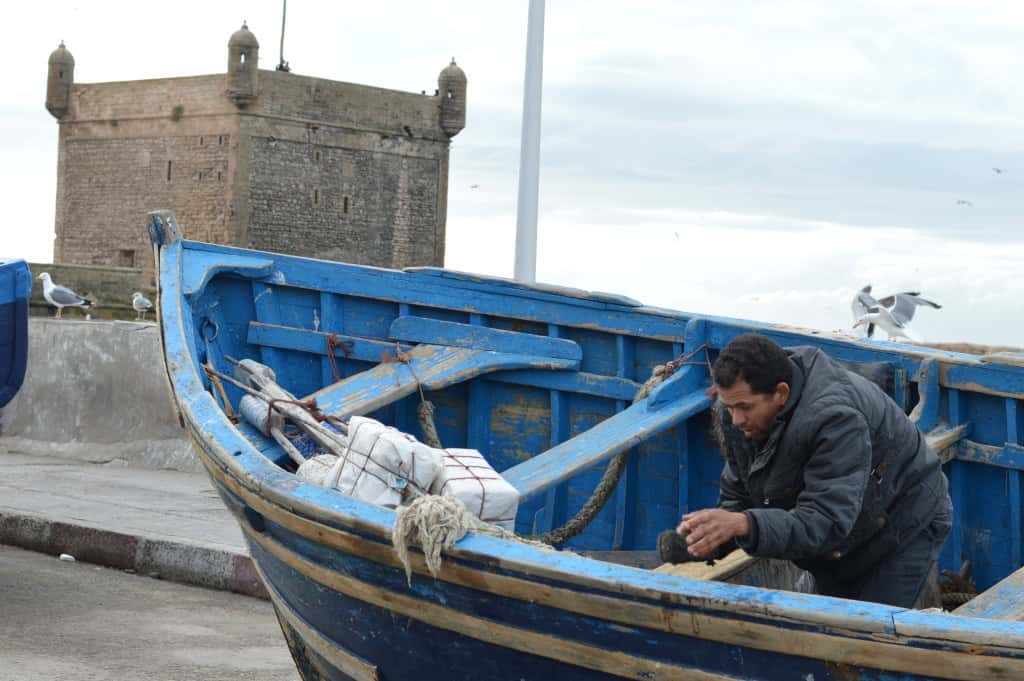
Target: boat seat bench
column 675, row 400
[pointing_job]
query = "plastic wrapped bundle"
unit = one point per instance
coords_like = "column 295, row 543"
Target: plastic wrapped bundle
column 466, row 474
column 381, row 465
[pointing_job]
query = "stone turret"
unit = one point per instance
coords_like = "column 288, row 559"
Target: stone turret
column 243, row 62
column 59, row 79
column 451, row 88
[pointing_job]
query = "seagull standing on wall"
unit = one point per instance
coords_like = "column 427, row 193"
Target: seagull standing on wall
column 141, row 305
column 61, row 296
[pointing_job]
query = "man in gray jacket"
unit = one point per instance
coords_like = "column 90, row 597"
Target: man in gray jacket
column 821, row 468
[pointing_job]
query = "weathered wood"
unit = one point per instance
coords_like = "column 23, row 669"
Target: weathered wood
column 741, row 568
column 585, row 383
column 339, row 657
column 476, row 337
column 1013, row 486
column 943, row 439
column 1004, row 601
column 415, row 289
column 720, row 571
column 824, row 642
column 638, row 559
column 431, row 367
column 201, row 267
column 473, row 281
column 315, row 342
column 555, row 497
column 1010, row 455
column 523, row 640
column 926, row 412
column 372, row 350
column 612, row 436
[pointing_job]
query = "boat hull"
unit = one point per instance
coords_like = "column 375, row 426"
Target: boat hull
column 15, row 287
column 347, row 612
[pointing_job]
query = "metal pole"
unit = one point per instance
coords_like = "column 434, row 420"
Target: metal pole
column 284, row 12
column 529, row 150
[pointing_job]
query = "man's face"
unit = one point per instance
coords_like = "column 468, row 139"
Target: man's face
column 752, row 412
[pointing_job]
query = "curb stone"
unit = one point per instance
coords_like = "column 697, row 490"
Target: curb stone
column 174, row 561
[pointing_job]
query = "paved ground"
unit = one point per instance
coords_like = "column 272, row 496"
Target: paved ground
column 61, row 621
column 159, row 504
column 167, row 522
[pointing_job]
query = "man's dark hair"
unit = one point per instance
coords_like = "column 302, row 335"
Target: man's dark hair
column 755, row 359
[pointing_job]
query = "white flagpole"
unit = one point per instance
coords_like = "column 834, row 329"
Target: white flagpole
column 529, row 150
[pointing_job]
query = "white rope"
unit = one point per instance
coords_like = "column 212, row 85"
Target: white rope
column 435, row 523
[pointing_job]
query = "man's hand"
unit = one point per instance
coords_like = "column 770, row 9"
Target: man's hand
column 708, row 529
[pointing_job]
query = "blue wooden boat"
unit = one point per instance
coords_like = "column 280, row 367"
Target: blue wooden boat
column 542, row 380
column 15, row 288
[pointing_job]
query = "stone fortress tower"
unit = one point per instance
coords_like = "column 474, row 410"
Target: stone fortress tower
column 269, row 160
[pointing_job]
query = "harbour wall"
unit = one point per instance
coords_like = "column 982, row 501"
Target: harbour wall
column 96, row 391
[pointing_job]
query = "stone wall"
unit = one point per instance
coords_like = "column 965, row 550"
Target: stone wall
column 310, row 167
column 127, row 148
column 96, row 391
column 357, row 107
column 116, row 181
column 353, row 205
column 110, row 288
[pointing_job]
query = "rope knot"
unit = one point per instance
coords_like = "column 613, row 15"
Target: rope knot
column 346, row 349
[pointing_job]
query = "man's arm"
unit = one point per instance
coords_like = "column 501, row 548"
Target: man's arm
column 835, row 478
column 709, row 532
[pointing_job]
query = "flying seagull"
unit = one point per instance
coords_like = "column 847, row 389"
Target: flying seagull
column 999, row 171
column 141, row 305
column 861, row 304
column 893, row 313
column 964, row 202
column 61, row 296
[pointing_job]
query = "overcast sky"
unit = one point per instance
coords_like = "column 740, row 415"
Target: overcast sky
column 749, row 159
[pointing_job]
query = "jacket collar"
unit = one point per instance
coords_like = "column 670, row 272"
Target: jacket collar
column 796, row 389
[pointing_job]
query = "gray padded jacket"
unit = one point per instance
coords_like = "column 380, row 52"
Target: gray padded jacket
column 842, row 479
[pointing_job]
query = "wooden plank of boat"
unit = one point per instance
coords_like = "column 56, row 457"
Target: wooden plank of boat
column 454, row 334
column 713, row 571
column 1004, row 601
column 371, row 350
column 943, row 440
column 433, row 367
column 614, row 435
column 344, row 660
column 564, row 650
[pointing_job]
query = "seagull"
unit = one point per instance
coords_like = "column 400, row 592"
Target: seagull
column 893, row 313
column 861, row 304
column 61, row 296
column 141, row 305
column 473, row 186
column 999, row 171
column 964, row 202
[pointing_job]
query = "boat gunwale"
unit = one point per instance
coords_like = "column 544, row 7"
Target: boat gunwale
column 194, row 401
column 566, row 297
